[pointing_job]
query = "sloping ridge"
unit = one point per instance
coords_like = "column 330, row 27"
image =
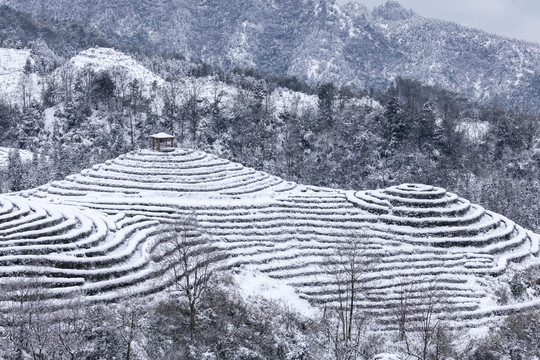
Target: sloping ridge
column 94, row 234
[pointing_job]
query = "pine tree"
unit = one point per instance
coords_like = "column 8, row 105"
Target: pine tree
column 426, row 129
column 396, row 131
column 43, row 171
column 15, row 171
column 102, row 88
column 326, row 93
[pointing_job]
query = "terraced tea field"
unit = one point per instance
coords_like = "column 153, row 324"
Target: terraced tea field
column 96, row 233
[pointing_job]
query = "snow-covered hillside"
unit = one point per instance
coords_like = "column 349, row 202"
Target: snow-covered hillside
column 126, row 68
column 94, row 232
column 4, row 156
column 206, row 91
column 319, row 41
column 12, row 78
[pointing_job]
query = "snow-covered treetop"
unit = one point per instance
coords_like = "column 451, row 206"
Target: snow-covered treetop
column 392, row 11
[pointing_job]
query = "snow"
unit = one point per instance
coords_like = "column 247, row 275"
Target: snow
column 102, row 224
column 385, row 357
column 161, row 135
column 287, row 101
column 238, row 52
column 50, row 118
column 313, row 69
column 107, row 59
column 474, row 130
column 255, row 284
column 12, row 62
column 26, row 156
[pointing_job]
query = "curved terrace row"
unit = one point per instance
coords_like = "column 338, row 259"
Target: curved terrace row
column 106, row 220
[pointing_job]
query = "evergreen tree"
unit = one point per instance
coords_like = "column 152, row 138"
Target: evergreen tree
column 102, row 88
column 7, row 121
column 43, row 171
column 426, row 129
column 396, row 131
column 28, row 68
column 326, row 93
column 31, row 172
column 30, row 127
column 15, row 171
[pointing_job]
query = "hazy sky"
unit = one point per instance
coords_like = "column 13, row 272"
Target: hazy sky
column 513, row 18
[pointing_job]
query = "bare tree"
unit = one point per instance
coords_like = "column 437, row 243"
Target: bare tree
column 130, row 316
column 192, row 108
column 67, row 76
column 86, row 77
column 347, row 324
column 171, row 110
column 121, row 79
column 26, row 320
column 136, row 99
column 426, row 335
column 70, row 328
column 26, row 87
column 405, row 291
column 189, row 256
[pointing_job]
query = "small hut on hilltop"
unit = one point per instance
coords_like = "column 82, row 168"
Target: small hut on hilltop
column 162, row 141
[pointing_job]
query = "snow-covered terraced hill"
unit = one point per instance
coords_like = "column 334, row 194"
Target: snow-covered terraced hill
column 70, row 251
column 185, row 173
column 95, row 232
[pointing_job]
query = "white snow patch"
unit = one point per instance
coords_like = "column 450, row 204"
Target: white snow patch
column 313, row 70
column 12, row 62
column 26, row 156
column 385, row 357
column 106, row 59
column 285, row 100
column 50, row 117
column 255, row 284
column 473, row 129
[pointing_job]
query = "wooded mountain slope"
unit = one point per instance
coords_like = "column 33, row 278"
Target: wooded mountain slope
column 318, row 41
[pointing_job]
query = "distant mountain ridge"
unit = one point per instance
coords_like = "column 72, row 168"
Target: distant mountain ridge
column 318, row 40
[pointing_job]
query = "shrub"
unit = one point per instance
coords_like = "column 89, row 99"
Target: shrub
column 517, row 287
column 501, row 295
column 516, row 339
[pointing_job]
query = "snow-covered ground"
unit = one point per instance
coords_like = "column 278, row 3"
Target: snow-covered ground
column 99, row 59
column 475, row 130
column 12, row 62
column 4, row 154
column 254, row 284
column 94, row 231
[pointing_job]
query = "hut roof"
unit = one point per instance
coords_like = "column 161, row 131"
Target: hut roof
column 162, row 135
